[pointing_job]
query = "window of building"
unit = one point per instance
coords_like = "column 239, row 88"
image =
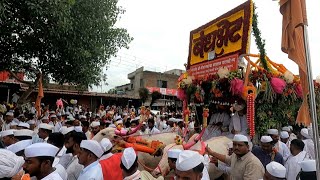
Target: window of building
column 131, row 86
column 162, row 84
column 141, row 83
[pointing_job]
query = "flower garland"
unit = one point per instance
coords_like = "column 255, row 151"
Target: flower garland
column 250, row 114
column 259, row 41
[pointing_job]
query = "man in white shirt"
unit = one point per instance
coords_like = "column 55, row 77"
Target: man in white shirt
column 72, row 143
column 308, row 142
column 289, row 129
column 85, row 129
column 284, row 136
column 238, row 124
column 7, row 120
column 55, row 123
column 298, row 155
column 278, row 145
column 7, row 137
column 57, row 139
column 152, row 129
column 129, row 165
column 38, row 161
column 162, row 123
column 89, row 155
column 44, row 131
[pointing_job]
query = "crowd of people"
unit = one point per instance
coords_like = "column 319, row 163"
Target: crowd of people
column 60, row 144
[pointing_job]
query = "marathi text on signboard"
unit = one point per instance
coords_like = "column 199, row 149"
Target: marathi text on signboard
column 212, row 67
column 226, row 35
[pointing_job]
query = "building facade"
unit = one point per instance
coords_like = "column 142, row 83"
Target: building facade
column 151, row 80
column 164, row 82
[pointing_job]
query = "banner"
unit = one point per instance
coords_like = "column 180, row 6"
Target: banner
column 212, row 67
column 163, row 91
column 228, row 34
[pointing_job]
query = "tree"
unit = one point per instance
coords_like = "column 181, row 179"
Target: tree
column 143, row 94
column 112, row 91
column 155, row 95
column 67, row 41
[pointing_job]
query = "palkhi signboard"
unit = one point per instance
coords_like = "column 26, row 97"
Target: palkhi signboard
column 227, row 35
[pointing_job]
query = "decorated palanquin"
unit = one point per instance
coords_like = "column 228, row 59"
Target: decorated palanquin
column 221, row 71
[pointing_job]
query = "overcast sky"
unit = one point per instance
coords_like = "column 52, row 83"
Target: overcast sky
column 161, row 32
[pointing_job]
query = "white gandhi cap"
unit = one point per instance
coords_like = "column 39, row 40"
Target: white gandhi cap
column 106, row 144
column 23, row 132
column 276, row 169
column 128, row 157
column 286, row 129
column 22, row 124
column 174, row 153
column 308, row 165
column 9, row 114
column 45, row 126
column 19, row 146
column 240, row 138
column 120, row 122
column 273, row 131
column 31, row 122
column 6, row 133
column 305, row 133
column 284, row 134
column 95, row 124
column 188, row 159
column 53, row 116
column 41, row 149
column 78, row 128
column 65, row 130
column 92, row 146
column 266, row 139
column 13, row 123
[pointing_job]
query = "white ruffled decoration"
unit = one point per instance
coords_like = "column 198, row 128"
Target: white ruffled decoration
column 223, row 72
column 288, row 76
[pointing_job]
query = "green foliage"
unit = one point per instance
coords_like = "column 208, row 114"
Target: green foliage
column 259, row 41
column 155, row 95
column 281, row 112
column 143, row 94
column 112, row 91
column 69, row 41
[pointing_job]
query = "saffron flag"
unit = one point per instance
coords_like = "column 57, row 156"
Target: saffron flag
column 39, row 97
column 294, row 19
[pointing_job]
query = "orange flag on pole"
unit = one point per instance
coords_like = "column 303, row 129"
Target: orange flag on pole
column 294, row 19
column 39, row 97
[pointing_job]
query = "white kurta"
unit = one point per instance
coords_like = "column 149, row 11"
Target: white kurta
column 283, row 149
column 61, row 171
column 93, row 171
column 224, row 168
column 292, row 166
column 162, row 125
column 220, row 117
column 309, row 147
column 52, row 176
column 153, row 131
column 5, row 126
column 74, row 169
column 239, row 124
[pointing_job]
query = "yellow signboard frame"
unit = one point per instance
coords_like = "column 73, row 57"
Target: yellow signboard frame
column 226, row 35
